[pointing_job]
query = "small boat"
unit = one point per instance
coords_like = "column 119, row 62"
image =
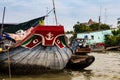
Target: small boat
column 79, row 46
column 78, row 62
column 80, row 58
column 98, row 47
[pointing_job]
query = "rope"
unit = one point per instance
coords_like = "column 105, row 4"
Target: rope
column 9, row 67
column 49, row 12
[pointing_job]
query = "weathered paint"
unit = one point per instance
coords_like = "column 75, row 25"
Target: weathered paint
column 98, row 36
column 47, row 56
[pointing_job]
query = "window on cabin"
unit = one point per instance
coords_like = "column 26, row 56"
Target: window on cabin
column 98, row 37
column 86, row 37
column 92, row 37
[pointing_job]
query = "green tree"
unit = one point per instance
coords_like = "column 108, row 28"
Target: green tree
column 94, row 27
column 111, row 41
column 69, row 32
column 104, row 26
column 84, row 28
column 116, row 32
column 76, row 28
column 114, row 39
column 79, row 28
column 118, row 22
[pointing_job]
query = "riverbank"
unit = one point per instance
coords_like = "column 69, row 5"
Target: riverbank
column 117, row 48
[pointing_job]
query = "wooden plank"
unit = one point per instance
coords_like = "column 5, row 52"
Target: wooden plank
column 113, row 47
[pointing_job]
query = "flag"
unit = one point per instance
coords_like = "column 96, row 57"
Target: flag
column 41, row 22
column 25, row 25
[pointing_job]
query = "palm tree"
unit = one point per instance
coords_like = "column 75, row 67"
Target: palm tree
column 118, row 22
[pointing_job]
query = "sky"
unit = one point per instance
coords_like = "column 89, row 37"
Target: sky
column 68, row 12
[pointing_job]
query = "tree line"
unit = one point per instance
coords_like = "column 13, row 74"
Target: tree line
column 80, row 27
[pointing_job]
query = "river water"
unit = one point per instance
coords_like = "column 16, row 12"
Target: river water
column 105, row 67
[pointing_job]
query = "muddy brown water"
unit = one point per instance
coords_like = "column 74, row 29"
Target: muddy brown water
column 105, row 67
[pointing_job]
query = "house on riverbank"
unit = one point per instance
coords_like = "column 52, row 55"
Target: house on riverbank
column 95, row 37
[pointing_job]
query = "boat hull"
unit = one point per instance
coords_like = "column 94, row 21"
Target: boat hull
column 81, row 51
column 80, row 62
column 36, row 59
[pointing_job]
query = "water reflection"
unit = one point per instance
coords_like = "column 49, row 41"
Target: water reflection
column 105, row 67
column 45, row 76
column 81, row 75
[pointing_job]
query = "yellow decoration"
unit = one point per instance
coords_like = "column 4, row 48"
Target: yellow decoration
column 1, row 49
column 41, row 22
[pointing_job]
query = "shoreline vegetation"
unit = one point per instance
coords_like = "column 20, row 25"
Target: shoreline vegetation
column 112, row 42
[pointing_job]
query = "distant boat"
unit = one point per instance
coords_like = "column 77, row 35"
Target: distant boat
column 80, row 58
column 80, row 46
column 98, row 47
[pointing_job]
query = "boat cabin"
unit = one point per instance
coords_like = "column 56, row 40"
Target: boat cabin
column 80, row 45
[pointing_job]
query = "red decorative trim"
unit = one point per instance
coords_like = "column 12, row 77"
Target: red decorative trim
column 49, row 34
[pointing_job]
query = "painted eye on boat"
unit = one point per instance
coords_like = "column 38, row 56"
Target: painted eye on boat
column 35, row 41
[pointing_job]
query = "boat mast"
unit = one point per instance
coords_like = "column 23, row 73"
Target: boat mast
column 1, row 30
column 55, row 12
column 99, row 19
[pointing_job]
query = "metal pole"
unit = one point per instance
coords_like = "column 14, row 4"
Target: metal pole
column 2, row 21
column 99, row 19
column 1, row 32
column 55, row 12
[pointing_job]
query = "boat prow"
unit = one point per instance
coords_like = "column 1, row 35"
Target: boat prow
column 78, row 62
column 44, row 48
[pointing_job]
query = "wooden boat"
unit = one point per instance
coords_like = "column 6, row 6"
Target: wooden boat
column 45, row 48
column 113, row 48
column 80, row 46
column 98, row 47
column 82, row 50
column 80, row 58
column 78, row 62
